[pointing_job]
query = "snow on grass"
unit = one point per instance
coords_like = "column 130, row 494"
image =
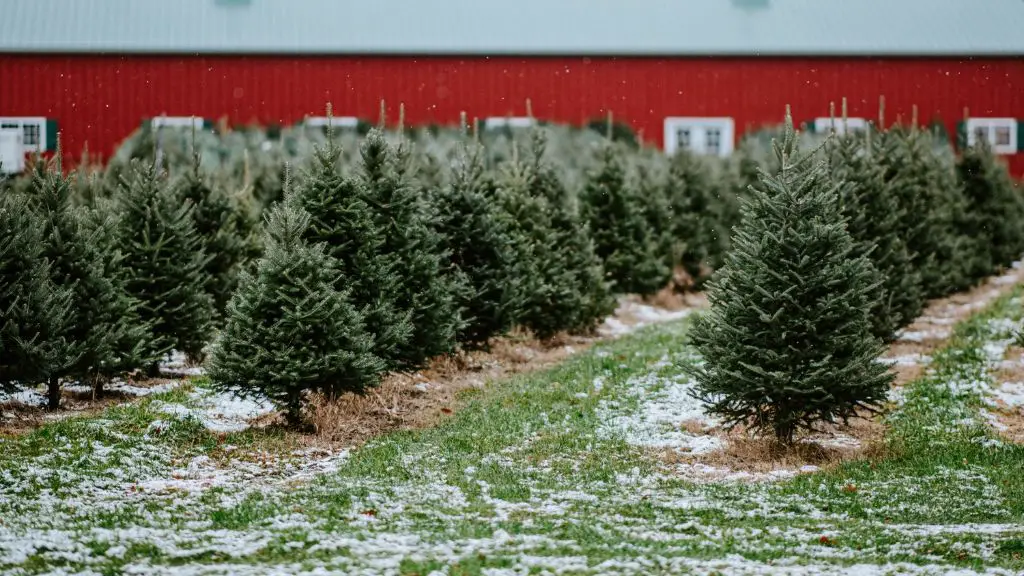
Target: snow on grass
column 119, row 386
column 27, row 397
column 216, row 411
column 177, row 364
column 923, row 335
column 661, row 406
column 907, row 360
column 1010, row 393
column 641, row 315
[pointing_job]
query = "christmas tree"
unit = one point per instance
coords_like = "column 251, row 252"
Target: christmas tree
column 219, row 220
column 657, row 211
column 481, row 247
column 34, row 312
column 929, row 198
column 873, row 218
column 164, row 261
column 289, row 330
column 425, row 286
column 342, row 219
column 787, row 341
column 697, row 213
column 627, row 244
column 100, row 307
column 995, row 213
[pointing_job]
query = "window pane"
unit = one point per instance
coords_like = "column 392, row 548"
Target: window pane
column 1002, row 135
column 683, row 138
column 30, row 135
column 713, row 141
column 981, row 134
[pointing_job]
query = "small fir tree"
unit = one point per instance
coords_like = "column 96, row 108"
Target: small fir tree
column 482, row 249
column 426, row 286
column 220, row 223
column 165, row 262
column 697, row 214
column 289, row 330
column 627, row 244
column 873, row 217
column 343, row 221
column 995, row 212
column 658, row 212
column 787, row 342
column 34, row 312
column 929, row 199
column 100, row 306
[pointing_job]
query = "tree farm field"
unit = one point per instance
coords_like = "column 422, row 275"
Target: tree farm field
column 600, row 464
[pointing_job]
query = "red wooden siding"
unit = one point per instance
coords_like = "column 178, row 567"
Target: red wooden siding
column 101, row 99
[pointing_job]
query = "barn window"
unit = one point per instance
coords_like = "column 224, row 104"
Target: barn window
column 335, row 121
column 700, row 135
column 177, row 122
column 509, row 121
column 824, row 124
column 36, row 132
column 1000, row 133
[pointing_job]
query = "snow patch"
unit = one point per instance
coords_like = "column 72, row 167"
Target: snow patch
column 1010, row 393
column 923, row 335
column 27, row 397
column 216, row 411
column 641, row 314
column 652, row 413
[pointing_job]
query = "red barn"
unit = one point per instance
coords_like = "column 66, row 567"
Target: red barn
column 691, row 73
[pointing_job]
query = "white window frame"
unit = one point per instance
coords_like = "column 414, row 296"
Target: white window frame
column 823, row 125
column 21, row 121
column 176, row 122
column 509, row 121
column 699, row 126
column 335, row 121
column 989, row 125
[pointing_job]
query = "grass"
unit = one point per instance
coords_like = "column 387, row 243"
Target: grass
column 523, row 479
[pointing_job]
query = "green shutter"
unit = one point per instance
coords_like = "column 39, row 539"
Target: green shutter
column 961, row 135
column 1020, row 135
column 207, row 124
column 51, row 135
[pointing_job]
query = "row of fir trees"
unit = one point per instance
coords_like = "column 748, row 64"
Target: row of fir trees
column 837, row 249
column 382, row 263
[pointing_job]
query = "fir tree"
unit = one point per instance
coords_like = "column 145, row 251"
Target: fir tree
column 34, row 312
column 929, row 199
column 873, row 218
column 627, row 244
column 658, row 213
column 482, row 249
column 165, row 262
column 99, row 304
column 425, row 286
column 289, row 330
column 342, row 219
column 568, row 292
column 995, row 213
column 787, row 342
column 220, row 224
column 697, row 214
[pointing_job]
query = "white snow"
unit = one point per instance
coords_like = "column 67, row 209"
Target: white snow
column 177, row 364
column 1010, row 393
column 907, row 360
column 662, row 406
column 923, row 335
column 644, row 315
column 121, row 387
column 216, row 411
column 27, row 397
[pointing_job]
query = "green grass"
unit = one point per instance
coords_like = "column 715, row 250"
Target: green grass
column 522, row 478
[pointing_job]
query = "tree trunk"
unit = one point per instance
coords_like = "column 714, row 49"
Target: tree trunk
column 97, row 387
column 153, row 370
column 53, row 393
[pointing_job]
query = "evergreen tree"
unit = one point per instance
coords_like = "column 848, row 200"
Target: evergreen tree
column 34, row 312
column 697, row 214
column 96, row 323
column 658, row 213
column 221, row 227
column 787, row 342
column 929, row 199
column 425, row 287
column 873, row 217
column 995, row 213
column 342, row 219
column 569, row 292
column 289, row 330
column 482, row 248
column 165, row 262
column 627, row 244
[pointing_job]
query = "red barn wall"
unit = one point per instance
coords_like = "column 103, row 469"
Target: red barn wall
column 101, row 99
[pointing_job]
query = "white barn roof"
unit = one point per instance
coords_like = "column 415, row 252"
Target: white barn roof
column 520, row 27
